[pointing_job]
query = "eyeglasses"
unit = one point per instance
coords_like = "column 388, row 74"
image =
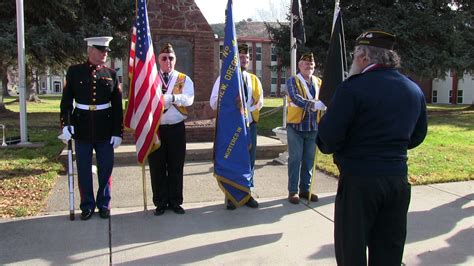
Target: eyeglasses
column 164, row 58
column 352, row 54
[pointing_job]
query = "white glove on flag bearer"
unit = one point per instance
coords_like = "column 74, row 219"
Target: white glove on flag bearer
column 318, row 105
column 115, row 141
column 67, row 133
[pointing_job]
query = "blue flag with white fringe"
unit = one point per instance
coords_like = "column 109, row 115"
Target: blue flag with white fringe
column 231, row 142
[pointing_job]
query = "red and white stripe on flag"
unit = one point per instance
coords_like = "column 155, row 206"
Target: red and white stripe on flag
column 145, row 104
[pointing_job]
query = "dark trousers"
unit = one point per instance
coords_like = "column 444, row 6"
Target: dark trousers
column 371, row 212
column 104, row 153
column 166, row 166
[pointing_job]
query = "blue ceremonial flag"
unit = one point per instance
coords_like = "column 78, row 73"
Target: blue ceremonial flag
column 231, row 142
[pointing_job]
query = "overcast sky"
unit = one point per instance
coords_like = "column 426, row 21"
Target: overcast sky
column 257, row 10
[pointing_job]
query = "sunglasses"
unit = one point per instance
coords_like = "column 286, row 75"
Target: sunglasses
column 164, row 58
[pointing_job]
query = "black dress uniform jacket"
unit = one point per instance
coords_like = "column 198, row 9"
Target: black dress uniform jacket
column 92, row 85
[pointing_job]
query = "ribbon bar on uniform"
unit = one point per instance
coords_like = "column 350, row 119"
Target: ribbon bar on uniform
column 93, row 107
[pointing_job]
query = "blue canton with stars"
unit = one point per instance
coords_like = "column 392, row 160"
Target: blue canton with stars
column 143, row 31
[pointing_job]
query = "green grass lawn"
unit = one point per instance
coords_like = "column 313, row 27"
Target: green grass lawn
column 28, row 174
column 445, row 156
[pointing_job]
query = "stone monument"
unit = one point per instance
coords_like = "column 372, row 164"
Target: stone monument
column 181, row 23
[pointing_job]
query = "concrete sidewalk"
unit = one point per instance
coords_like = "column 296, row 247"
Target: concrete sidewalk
column 440, row 226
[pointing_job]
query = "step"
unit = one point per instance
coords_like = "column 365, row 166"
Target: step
column 267, row 148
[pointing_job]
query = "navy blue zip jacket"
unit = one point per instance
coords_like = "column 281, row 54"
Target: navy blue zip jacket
column 373, row 119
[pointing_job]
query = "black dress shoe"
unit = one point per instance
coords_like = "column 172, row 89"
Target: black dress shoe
column 104, row 213
column 252, row 203
column 159, row 211
column 86, row 214
column 230, row 206
column 177, row 209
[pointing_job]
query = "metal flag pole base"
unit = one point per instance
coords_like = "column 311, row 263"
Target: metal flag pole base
column 313, row 177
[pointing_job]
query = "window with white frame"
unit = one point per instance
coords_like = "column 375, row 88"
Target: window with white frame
column 250, row 52
column 274, row 53
column 274, row 77
column 434, row 97
column 258, row 52
column 283, row 76
column 258, row 73
column 459, row 96
column 57, row 86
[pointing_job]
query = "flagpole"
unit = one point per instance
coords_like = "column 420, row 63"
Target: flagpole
column 318, row 116
column 21, row 72
column 144, row 188
column 313, row 173
column 292, row 62
column 334, row 17
column 293, row 47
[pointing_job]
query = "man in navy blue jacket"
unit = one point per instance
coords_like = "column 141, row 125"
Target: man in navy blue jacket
column 376, row 115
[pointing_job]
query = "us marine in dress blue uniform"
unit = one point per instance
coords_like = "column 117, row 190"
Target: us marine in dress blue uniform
column 91, row 113
column 375, row 116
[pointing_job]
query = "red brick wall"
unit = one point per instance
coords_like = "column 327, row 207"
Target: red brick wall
column 426, row 85
column 196, row 131
column 182, row 20
column 266, row 70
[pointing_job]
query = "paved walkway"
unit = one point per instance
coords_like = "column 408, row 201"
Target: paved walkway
column 440, row 226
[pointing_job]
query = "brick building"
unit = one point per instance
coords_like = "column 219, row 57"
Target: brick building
column 263, row 57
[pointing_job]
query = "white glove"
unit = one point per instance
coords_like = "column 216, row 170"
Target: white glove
column 318, row 105
column 67, row 133
column 168, row 98
column 115, row 141
column 61, row 137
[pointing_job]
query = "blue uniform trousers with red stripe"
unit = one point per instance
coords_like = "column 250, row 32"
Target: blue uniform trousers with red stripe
column 105, row 161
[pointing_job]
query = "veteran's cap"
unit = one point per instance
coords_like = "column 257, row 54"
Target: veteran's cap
column 167, row 48
column 101, row 43
column 243, row 48
column 376, row 38
column 307, row 57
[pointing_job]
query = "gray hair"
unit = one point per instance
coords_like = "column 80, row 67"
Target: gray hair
column 382, row 56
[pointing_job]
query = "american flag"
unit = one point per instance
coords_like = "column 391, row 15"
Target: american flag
column 145, row 101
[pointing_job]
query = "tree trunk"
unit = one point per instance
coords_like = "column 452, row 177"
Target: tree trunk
column 4, row 76
column 3, row 89
column 31, row 87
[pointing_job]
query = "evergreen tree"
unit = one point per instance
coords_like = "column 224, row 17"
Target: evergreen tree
column 432, row 36
column 54, row 32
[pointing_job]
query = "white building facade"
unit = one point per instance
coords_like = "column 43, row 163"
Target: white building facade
column 445, row 91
